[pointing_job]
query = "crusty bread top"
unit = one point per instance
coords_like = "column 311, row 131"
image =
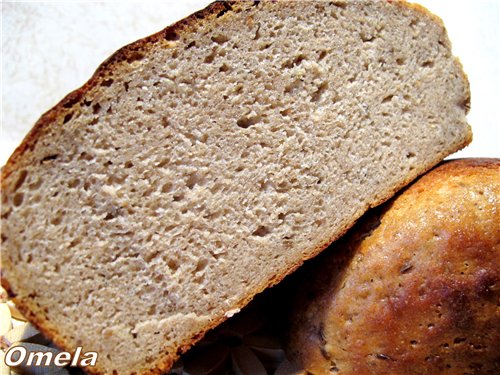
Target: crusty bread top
column 413, row 288
column 202, row 164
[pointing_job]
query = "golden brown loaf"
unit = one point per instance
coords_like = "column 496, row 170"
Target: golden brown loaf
column 202, row 164
column 415, row 289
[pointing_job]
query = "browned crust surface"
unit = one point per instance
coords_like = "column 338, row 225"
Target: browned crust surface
column 54, row 116
column 413, row 288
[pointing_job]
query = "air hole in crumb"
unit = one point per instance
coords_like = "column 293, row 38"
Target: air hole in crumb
column 49, row 157
column 265, row 46
column 220, row 39
column 173, row 265
column 167, row 187
column 109, row 216
column 135, row 56
column 20, row 180
column 224, row 68
column 56, row 220
column 152, row 310
column 351, row 79
column 459, row 340
column 165, row 122
column 387, row 99
column 267, row 186
column 293, row 86
column 246, row 122
column 67, row 117
column 178, row 197
column 96, row 108
column 227, row 7
column 36, row 185
column 171, row 35
column 191, row 45
column 322, row 55
column 194, row 179
column 71, row 101
column 299, row 59
column 295, row 62
column 18, row 199
column 261, row 231
column 107, row 82
column 210, row 58
column 410, row 155
column 200, row 266
column 128, row 164
column 75, row 242
column 286, row 112
column 85, row 156
column 339, row 4
column 316, row 96
column 73, row 183
column 400, row 61
column 257, row 33
column 366, row 38
column 428, row 64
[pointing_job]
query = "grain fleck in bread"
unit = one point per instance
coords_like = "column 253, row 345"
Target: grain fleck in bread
column 202, row 164
column 414, row 290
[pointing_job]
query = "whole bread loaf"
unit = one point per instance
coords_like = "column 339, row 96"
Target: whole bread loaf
column 202, row 164
column 414, row 288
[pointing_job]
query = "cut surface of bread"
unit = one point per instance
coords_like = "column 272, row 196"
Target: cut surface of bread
column 413, row 288
column 202, row 164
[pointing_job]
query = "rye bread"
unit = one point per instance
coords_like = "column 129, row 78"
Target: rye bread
column 204, row 163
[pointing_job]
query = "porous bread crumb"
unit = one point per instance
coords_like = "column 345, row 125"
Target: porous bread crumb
column 203, row 164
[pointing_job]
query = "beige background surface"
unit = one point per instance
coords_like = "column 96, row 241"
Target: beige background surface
column 49, row 49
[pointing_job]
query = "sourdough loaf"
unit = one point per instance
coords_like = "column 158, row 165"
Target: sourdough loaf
column 414, row 288
column 202, row 164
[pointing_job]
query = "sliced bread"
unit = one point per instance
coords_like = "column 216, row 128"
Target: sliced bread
column 204, row 163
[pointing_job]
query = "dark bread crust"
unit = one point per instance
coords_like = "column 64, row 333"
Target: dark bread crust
column 24, row 156
column 412, row 289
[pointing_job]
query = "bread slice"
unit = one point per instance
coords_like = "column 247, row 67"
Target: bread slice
column 202, row 164
column 413, row 288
